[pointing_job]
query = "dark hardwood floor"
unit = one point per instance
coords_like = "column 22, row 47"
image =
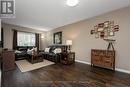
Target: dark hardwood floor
column 58, row 75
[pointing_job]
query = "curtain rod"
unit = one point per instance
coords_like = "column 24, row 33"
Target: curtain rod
column 25, row 31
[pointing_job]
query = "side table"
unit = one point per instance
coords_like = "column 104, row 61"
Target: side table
column 68, row 58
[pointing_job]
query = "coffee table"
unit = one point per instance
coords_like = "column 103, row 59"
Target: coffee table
column 35, row 58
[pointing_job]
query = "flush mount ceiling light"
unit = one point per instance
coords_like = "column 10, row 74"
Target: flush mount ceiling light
column 72, row 3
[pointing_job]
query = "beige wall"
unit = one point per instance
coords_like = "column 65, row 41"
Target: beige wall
column 8, row 35
column 83, row 41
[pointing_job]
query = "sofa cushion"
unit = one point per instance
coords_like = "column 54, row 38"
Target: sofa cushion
column 47, row 50
column 57, row 50
column 22, row 54
column 22, row 48
column 29, row 51
column 17, row 51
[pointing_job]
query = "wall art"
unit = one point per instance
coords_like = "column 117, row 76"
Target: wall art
column 105, row 29
column 57, row 38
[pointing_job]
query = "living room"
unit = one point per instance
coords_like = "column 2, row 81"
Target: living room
column 71, row 44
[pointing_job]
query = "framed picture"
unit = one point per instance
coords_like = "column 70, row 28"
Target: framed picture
column 102, row 34
column 111, row 23
column 111, row 33
column 100, row 27
column 106, row 24
column 96, row 35
column 105, row 29
column 92, row 31
column 116, row 28
column 112, row 29
column 57, row 38
column 106, row 33
column 96, row 28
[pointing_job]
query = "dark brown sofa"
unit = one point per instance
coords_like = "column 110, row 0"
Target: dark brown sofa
column 51, row 56
column 23, row 52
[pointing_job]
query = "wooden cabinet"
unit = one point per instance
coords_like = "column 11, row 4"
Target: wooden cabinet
column 103, row 58
column 68, row 58
column 8, row 60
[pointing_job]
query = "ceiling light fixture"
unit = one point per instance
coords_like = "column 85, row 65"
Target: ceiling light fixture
column 72, row 3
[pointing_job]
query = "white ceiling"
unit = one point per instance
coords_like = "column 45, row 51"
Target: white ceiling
column 50, row 14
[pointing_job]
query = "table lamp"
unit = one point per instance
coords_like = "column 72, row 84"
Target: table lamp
column 69, row 43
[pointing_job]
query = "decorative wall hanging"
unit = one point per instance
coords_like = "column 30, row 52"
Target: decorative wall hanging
column 57, row 38
column 105, row 30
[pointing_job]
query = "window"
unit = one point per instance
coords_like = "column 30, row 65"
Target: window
column 26, row 39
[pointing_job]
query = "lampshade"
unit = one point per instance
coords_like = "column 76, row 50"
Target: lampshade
column 69, row 42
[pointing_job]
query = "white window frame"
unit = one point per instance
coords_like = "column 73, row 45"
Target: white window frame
column 26, row 39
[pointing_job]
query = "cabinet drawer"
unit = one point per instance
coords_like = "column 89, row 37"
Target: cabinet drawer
column 108, row 64
column 97, row 60
column 107, row 59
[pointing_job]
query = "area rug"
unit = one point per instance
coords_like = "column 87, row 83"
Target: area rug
column 25, row 66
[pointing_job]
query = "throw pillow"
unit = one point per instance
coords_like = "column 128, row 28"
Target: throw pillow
column 29, row 51
column 17, row 51
column 47, row 50
column 35, row 49
column 57, row 50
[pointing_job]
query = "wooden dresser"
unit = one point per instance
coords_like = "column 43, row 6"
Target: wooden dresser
column 103, row 58
column 8, row 60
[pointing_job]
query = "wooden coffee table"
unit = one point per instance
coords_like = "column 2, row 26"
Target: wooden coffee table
column 35, row 58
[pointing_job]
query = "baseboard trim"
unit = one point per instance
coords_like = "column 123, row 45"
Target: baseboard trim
column 83, row 62
column 122, row 70
column 117, row 69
